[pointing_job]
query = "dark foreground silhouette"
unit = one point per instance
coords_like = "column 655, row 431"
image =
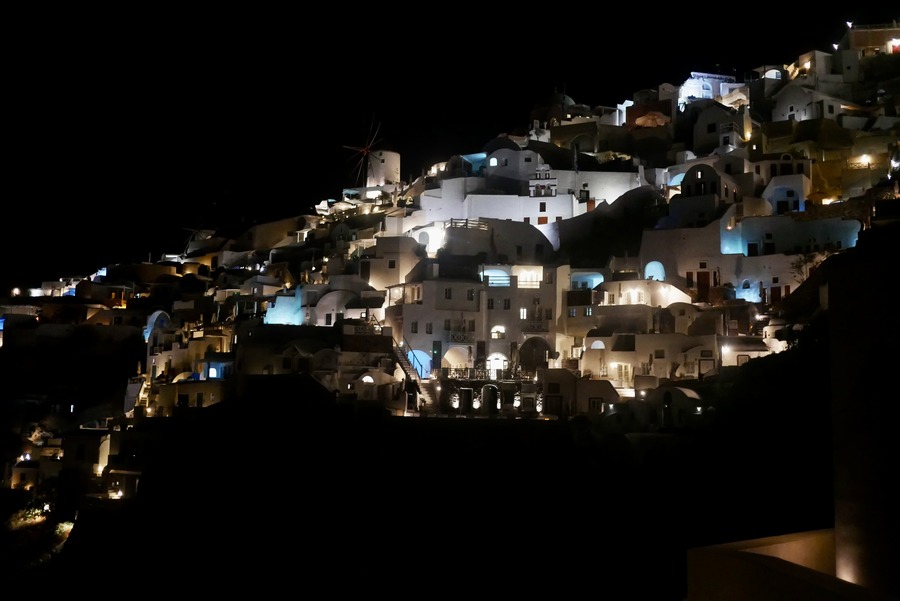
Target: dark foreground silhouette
column 359, row 502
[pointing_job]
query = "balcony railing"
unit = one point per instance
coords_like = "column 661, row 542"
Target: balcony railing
column 469, row 373
column 498, row 281
column 473, row 224
column 467, row 337
column 535, row 326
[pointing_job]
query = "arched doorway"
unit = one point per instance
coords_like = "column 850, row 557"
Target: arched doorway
column 421, row 362
column 497, row 364
column 535, row 353
column 654, row 270
column 457, row 357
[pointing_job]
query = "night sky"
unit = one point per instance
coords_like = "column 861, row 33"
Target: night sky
column 126, row 131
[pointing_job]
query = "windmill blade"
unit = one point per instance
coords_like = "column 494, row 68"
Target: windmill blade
column 373, row 137
column 363, row 152
column 357, row 170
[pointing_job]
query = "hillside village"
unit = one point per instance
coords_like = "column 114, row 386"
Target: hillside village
column 616, row 268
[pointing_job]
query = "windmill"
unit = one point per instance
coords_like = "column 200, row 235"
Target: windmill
column 196, row 238
column 363, row 168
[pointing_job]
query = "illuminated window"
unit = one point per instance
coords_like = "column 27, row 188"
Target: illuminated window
column 523, row 313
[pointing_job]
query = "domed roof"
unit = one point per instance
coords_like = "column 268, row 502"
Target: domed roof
column 560, row 98
column 500, row 142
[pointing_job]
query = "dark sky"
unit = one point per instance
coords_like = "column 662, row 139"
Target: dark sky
column 127, row 131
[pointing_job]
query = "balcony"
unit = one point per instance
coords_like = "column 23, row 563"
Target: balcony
column 461, row 337
column 498, row 281
column 535, row 326
column 474, row 224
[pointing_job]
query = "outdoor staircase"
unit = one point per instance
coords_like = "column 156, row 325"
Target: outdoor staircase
column 430, row 396
column 412, row 375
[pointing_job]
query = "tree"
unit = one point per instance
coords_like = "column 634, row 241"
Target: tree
column 806, row 263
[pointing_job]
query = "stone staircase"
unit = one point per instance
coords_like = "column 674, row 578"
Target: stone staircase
column 412, row 375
